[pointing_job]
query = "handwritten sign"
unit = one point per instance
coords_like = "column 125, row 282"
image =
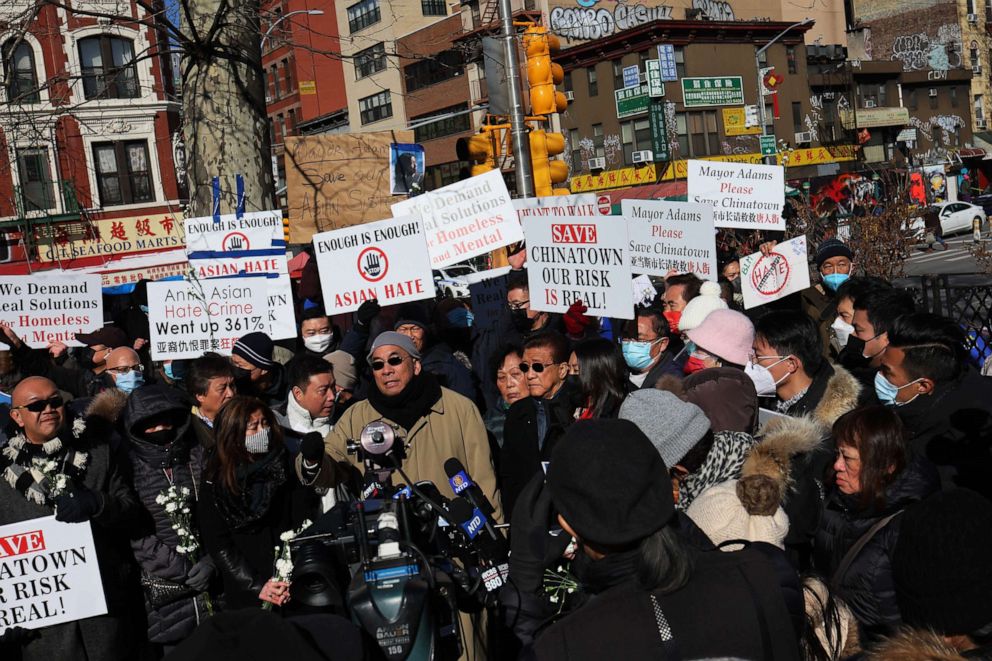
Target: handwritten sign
column 335, row 181
column 48, row 308
column 48, row 574
column 671, row 235
column 743, row 195
column 767, row 278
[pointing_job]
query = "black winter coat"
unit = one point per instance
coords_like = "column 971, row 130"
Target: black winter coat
column 156, row 468
column 867, row 587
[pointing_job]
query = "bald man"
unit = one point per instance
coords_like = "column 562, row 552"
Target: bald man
column 97, row 493
column 124, row 367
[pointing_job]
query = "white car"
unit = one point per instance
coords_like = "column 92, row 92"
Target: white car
column 954, row 217
column 454, row 280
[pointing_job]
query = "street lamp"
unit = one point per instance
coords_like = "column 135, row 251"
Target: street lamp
column 311, row 12
column 761, row 85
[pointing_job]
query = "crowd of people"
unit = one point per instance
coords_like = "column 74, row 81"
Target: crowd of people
column 809, row 479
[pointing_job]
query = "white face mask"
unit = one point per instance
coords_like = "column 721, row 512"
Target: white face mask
column 842, row 330
column 317, row 343
column 762, row 377
column 258, row 443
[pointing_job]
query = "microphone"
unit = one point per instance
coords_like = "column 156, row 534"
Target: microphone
column 492, row 551
column 462, row 484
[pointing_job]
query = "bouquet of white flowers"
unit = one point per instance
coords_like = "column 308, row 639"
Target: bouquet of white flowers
column 175, row 502
column 283, row 570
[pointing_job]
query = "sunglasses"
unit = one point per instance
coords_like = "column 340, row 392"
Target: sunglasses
column 40, row 405
column 537, row 367
column 377, row 365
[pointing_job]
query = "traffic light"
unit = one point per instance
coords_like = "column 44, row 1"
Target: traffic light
column 547, row 173
column 483, row 149
column 542, row 73
column 285, row 229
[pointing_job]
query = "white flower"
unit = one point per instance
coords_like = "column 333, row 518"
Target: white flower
column 182, row 532
column 78, row 427
column 287, row 536
column 171, row 507
column 185, row 510
column 160, row 499
column 184, row 491
column 181, row 550
column 306, row 524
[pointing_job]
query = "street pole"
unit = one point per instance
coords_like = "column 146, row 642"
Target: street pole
column 518, row 130
column 769, row 160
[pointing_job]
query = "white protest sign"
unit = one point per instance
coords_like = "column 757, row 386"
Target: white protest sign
column 465, row 219
column 488, row 298
column 48, row 574
column 204, row 234
column 386, row 260
column 219, row 267
column 55, row 307
column 582, row 205
column 784, row 271
column 743, row 195
column 188, row 318
column 586, row 258
column 282, row 315
column 671, row 235
column 643, row 290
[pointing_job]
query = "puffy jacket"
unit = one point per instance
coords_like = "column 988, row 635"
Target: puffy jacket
column 156, row 468
column 867, row 585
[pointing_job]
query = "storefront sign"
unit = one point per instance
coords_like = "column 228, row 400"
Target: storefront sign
column 713, row 91
column 111, row 237
column 873, row 117
column 735, row 122
column 632, row 101
column 621, row 178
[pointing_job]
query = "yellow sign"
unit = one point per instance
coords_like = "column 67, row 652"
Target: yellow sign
column 735, row 123
column 308, row 87
column 868, row 118
column 820, row 155
column 112, row 237
column 621, row 178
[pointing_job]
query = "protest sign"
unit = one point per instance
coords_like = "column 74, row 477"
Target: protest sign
column 583, row 204
column 335, row 181
column 743, row 195
column 48, row 574
column 188, row 318
column 46, row 308
column 670, row 235
column 488, row 299
column 465, row 219
column 222, row 267
column 282, row 315
column 767, row 278
column 255, row 230
column 643, row 290
column 386, row 260
column 585, row 258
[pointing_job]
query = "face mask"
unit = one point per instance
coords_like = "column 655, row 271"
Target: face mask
column 318, row 343
column 160, row 436
column 673, row 320
column 520, row 320
column 736, row 285
column 833, row 281
column 842, row 330
column 764, row 382
column 887, row 392
column 693, row 365
column 866, row 356
column 167, row 370
column 143, row 308
column 240, row 373
column 130, row 381
column 461, row 318
column 258, row 443
column 637, row 355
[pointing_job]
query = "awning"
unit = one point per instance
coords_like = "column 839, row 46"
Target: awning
column 984, row 139
column 295, row 265
column 972, row 152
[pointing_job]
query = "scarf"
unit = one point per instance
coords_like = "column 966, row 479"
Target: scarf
column 301, row 421
column 41, row 473
column 413, row 403
column 597, row 576
column 723, row 462
column 258, row 481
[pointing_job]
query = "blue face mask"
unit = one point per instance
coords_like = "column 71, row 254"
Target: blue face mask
column 887, row 391
column 167, row 368
column 130, row 381
column 833, row 281
column 637, row 354
column 461, row 318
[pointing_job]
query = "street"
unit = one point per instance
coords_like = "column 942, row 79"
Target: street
column 956, row 259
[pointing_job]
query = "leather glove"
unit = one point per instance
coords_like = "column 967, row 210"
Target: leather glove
column 312, row 447
column 77, row 505
column 367, row 311
column 199, row 574
column 576, row 320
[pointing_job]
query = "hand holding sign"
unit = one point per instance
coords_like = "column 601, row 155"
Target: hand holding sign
column 767, row 277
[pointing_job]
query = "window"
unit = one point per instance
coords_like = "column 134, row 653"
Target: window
column 22, row 84
column 123, row 173
column 636, row 136
column 769, row 119
column 438, row 68
column 932, row 94
column 274, row 73
column 281, row 122
column 680, row 61
column 574, row 147
column 108, row 66
column 370, row 60
column 599, row 140
column 593, row 81
column 363, row 14
column 703, row 137
column 37, row 190
column 568, row 81
column 433, row 8
column 288, row 71
column 682, row 131
column 442, row 127
column 272, row 131
column 954, row 97
column 617, row 74
column 437, row 176
column 973, row 55
column 642, row 60
column 911, row 99
column 979, row 108
column 375, row 107
column 797, row 116
column 790, row 57
column 291, row 121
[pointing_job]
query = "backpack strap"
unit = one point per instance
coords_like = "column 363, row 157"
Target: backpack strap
column 852, row 553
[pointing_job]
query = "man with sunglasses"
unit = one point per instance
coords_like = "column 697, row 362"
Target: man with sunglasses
column 41, row 432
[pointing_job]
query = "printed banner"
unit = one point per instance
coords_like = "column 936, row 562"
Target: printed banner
column 386, row 260
column 743, row 196
column 570, row 259
column 767, row 278
column 465, row 219
column 583, row 205
column 223, row 267
column 46, row 308
column 670, row 235
column 188, row 318
column 48, row 574
column 253, row 231
column 108, row 237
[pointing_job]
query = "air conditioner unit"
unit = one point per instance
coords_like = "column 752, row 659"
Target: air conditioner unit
column 980, row 124
column 804, row 136
column 644, row 156
column 972, row 18
column 933, row 91
column 977, row 69
column 570, row 96
column 597, row 163
column 870, row 103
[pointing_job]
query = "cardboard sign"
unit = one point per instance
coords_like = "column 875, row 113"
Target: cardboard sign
column 586, row 258
column 189, row 318
column 386, row 260
column 743, row 195
column 48, row 574
column 784, row 271
column 465, row 219
column 46, row 308
column 253, row 231
column 338, row 180
column 670, row 235
column 488, row 300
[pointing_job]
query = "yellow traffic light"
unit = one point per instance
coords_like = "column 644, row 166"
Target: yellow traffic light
column 483, row 149
column 542, row 73
column 285, row 229
column 543, row 147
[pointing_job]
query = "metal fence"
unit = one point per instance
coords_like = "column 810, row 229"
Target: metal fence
column 967, row 299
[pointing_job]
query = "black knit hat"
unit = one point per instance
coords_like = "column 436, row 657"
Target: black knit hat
column 256, row 348
column 412, row 313
column 941, row 566
column 831, row 248
column 609, row 482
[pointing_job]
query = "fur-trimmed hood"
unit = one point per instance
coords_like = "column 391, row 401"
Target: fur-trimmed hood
column 913, row 645
column 107, row 405
column 840, row 396
column 765, row 475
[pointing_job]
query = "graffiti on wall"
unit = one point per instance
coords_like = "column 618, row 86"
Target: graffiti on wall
column 741, row 144
column 921, row 51
column 612, row 149
column 945, row 124
column 581, row 23
column 715, row 10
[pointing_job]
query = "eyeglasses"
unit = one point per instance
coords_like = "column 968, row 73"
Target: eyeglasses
column 40, row 405
column 537, row 367
column 519, row 305
column 125, row 369
column 377, row 365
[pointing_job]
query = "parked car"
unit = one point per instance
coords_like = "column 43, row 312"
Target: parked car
column 955, row 217
column 454, row 280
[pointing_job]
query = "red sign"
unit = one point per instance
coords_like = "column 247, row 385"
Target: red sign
column 235, row 241
column 561, row 233
column 770, row 274
column 21, row 543
column 605, row 205
column 373, row 264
